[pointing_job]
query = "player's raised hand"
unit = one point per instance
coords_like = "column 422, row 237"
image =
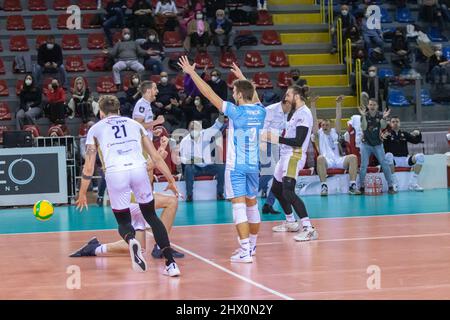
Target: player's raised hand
column 362, row 110
column 386, row 113
column 340, row 99
column 237, row 71
column 187, row 67
column 81, row 202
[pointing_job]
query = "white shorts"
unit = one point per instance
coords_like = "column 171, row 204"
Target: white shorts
column 137, row 219
column 337, row 163
column 121, row 183
column 402, row 162
column 288, row 166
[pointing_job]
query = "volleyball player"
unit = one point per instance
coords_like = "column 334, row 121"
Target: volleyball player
column 246, row 119
column 121, row 142
column 293, row 147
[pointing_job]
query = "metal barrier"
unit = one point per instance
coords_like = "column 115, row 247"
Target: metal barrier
column 348, row 59
column 358, row 80
column 340, row 47
column 330, row 15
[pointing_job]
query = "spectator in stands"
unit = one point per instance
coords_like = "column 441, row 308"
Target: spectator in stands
column 56, row 98
column 372, row 35
column 198, row 33
column 348, row 20
column 430, row 11
column 296, row 79
column 30, row 103
column 218, row 84
column 142, row 16
column 355, row 36
column 133, row 94
column 168, row 10
column 195, row 155
column 212, row 6
column 114, row 17
column 331, row 154
column 261, row 5
column 81, row 100
column 197, row 110
column 372, row 85
column 438, row 67
column 155, row 53
column 372, row 122
column 400, row 50
column 396, row 148
column 167, row 103
column 50, row 59
column 126, row 53
column 221, row 30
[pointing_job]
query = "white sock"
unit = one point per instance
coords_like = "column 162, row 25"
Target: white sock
column 352, row 182
column 290, row 217
column 306, row 222
column 245, row 244
column 253, row 238
column 101, row 250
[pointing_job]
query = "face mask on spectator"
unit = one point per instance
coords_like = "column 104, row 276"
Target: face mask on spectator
column 214, row 78
column 126, row 36
column 344, row 12
column 135, row 81
column 50, row 46
column 199, row 16
column 28, row 82
column 152, row 37
column 438, row 53
column 372, row 74
column 164, row 80
column 197, row 102
column 195, row 134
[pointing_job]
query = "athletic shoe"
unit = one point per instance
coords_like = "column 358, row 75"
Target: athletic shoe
column 252, row 251
column 267, row 208
column 307, row 234
column 137, row 259
column 415, row 187
column 220, row 197
column 324, row 190
column 171, row 270
column 189, row 199
column 88, row 250
column 391, row 190
column 287, row 227
column 241, row 257
column 354, row 190
column 395, row 187
column 157, row 253
column 100, row 201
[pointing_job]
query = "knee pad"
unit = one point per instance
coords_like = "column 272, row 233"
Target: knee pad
column 239, row 213
column 253, row 214
column 289, row 189
column 126, row 229
column 389, row 157
column 420, row 159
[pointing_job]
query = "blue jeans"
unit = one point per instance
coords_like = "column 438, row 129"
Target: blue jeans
column 264, row 186
column 378, row 152
column 38, row 71
column 115, row 21
column 373, row 38
column 191, row 171
column 155, row 66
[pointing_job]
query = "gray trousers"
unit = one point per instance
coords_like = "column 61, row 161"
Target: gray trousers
column 27, row 117
column 134, row 65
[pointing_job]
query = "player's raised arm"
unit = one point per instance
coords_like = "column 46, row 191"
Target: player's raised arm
column 204, row 88
column 238, row 74
column 88, row 171
column 337, row 124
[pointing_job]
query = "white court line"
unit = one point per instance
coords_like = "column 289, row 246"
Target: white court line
column 388, row 237
column 234, row 274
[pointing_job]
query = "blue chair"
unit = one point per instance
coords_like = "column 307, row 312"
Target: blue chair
column 446, row 52
column 404, row 15
column 385, row 73
column 436, row 36
column 385, row 17
column 396, row 98
column 425, row 98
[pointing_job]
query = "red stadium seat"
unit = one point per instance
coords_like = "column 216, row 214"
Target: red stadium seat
column 5, row 112
column 62, row 21
column 15, row 23
column 284, row 79
column 106, row 84
column 61, row 4
column 87, row 21
column 179, row 82
column 74, row 64
column 156, row 78
column 18, row 43
column 70, row 42
column 12, row 5
column 262, row 81
column 34, row 129
column 37, row 5
column 2, row 67
column 306, row 172
column 19, row 86
column 270, row 38
column 40, row 40
column 227, row 59
column 87, row 4
column 264, row 18
column 126, row 81
column 230, row 79
column 203, row 59
column 253, row 59
column 117, row 36
column 96, row 41
column 278, row 59
column 40, row 22
column 4, row 88
column 172, row 39
column 59, row 130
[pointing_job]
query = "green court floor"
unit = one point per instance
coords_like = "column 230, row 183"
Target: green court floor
column 213, row 212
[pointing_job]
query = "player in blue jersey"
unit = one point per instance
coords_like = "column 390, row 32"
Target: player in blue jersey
column 246, row 119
